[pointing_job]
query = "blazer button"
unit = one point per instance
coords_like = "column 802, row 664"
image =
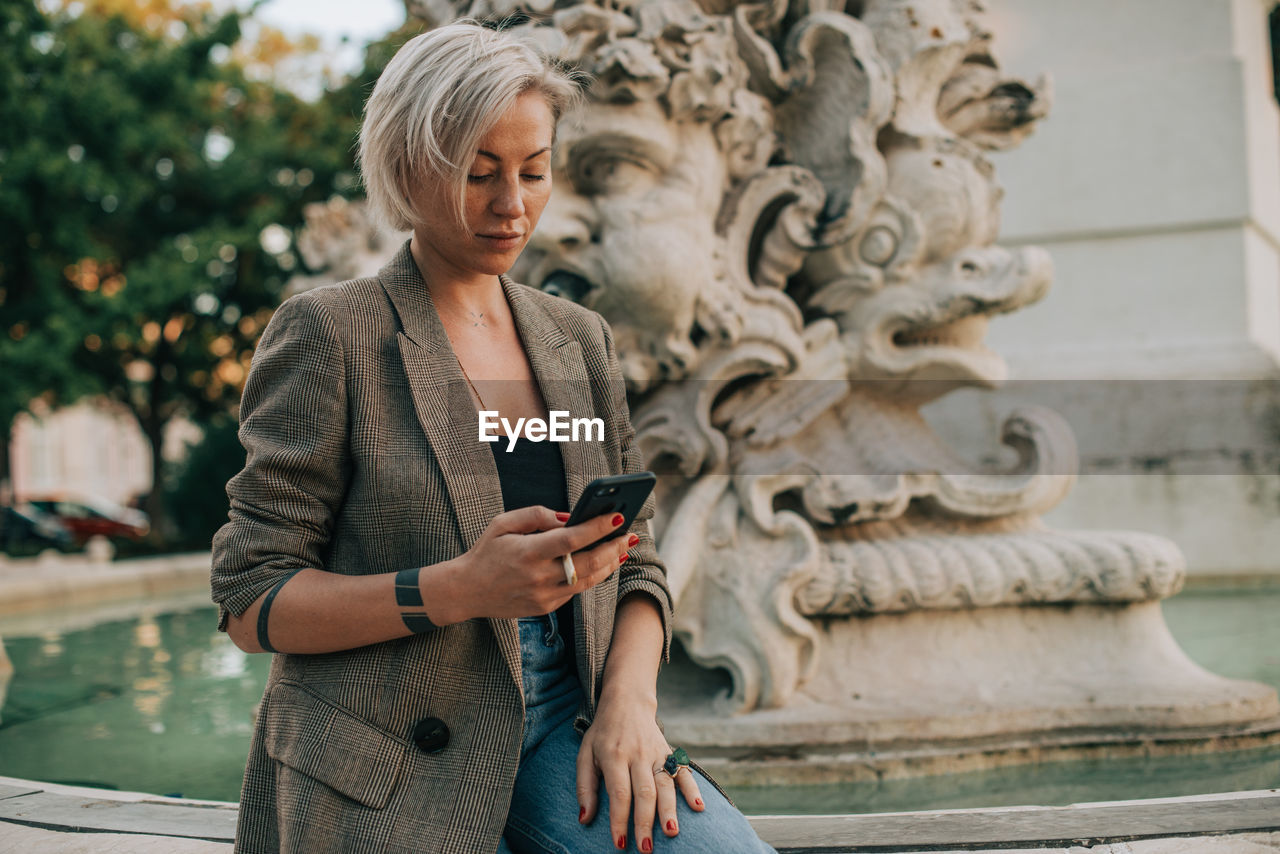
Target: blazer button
column 431, row 735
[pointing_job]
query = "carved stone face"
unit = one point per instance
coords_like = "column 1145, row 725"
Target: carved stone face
column 630, row 229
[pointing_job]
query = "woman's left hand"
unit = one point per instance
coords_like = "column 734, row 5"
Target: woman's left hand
column 625, row 745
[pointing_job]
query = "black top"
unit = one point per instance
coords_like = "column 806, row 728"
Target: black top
column 532, row 473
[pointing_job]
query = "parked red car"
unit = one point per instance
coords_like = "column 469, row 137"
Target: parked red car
column 89, row 517
column 26, row 531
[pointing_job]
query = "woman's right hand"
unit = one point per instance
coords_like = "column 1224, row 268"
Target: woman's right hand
column 515, row 569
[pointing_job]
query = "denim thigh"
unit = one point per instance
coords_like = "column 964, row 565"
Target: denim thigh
column 550, row 677
column 543, row 818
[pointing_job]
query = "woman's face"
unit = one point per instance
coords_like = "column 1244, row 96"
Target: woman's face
column 507, row 187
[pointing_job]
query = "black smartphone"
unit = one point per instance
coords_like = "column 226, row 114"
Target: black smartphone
column 619, row 493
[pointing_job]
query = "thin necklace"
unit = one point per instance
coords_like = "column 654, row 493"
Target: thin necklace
column 477, row 319
column 474, row 390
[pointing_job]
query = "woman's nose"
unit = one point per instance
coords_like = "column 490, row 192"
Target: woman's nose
column 565, row 224
column 509, row 202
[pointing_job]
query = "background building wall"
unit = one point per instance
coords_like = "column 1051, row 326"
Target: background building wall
column 88, row 449
column 92, row 449
column 1155, row 185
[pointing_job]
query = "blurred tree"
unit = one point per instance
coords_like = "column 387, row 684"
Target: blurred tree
column 197, row 509
column 149, row 190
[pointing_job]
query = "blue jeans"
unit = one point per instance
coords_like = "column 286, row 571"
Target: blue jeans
column 544, row 806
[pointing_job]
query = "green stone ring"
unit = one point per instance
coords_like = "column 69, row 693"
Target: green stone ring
column 674, row 762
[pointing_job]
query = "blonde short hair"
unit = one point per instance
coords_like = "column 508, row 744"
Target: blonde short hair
column 437, row 97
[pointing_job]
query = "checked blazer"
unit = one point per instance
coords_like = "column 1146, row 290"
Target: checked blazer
column 363, row 457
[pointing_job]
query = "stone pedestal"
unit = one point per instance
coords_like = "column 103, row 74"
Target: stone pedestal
column 928, row 692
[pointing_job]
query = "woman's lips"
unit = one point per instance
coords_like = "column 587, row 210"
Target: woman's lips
column 502, row 241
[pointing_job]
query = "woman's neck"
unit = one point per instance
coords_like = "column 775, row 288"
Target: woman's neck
column 462, row 294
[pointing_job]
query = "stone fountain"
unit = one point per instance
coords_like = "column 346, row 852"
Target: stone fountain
column 786, row 211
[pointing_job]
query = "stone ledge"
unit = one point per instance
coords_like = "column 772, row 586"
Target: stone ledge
column 832, row 764
column 44, row 817
column 18, row 839
column 1028, row 828
column 77, row 809
column 54, row 581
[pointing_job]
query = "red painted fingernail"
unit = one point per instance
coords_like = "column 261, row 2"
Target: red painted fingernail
column 582, row 814
column 697, row 801
column 622, row 842
column 671, row 827
column 617, row 519
column 632, row 540
column 646, row 845
column 622, row 558
column 563, row 517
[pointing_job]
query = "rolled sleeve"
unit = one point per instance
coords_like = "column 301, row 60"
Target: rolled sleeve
column 644, row 572
column 293, row 426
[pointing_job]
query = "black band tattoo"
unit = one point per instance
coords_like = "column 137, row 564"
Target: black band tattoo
column 408, row 595
column 265, row 610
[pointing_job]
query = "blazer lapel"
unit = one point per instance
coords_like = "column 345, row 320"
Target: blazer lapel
column 563, row 380
column 442, row 402
column 566, row 386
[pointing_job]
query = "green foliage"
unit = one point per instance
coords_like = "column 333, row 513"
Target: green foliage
column 199, row 505
column 137, row 173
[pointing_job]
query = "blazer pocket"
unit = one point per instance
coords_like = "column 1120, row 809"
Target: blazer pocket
column 327, row 743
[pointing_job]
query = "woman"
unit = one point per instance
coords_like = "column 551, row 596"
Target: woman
column 444, row 685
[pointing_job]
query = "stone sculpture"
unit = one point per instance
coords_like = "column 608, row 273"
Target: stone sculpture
column 786, row 212
column 343, row 241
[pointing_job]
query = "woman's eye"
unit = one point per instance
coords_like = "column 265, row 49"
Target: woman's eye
column 479, row 179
